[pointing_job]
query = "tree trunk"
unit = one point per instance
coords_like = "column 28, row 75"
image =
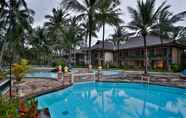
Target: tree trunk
column 90, row 38
column 118, row 54
column 2, row 53
column 145, row 55
column 70, row 56
column 74, row 56
column 103, row 44
column 161, row 40
column 86, row 43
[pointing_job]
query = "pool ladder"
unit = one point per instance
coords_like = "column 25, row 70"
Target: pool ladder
column 145, row 77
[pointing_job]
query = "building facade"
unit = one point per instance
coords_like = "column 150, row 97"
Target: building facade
column 131, row 54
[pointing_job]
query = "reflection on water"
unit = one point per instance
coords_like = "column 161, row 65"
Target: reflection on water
column 97, row 100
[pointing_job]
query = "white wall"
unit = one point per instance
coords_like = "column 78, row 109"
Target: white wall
column 108, row 57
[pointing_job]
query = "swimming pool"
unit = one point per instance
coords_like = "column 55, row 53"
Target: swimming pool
column 110, row 72
column 46, row 74
column 41, row 74
column 111, row 100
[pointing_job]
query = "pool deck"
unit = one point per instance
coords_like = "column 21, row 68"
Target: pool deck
column 29, row 88
column 35, row 87
column 159, row 78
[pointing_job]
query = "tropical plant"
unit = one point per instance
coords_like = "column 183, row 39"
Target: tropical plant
column 166, row 23
column 28, row 109
column 41, row 46
column 108, row 12
column 17, row 19
column 144, row 20
column 166, row 26
column 20, row 69
column 72, row 36
column 120, row 35
column 87, row 9
column 2, row 74
column 8, row 107
column 56, row 22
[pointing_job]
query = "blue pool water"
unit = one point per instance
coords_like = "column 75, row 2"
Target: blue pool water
column 110, row 100
column 46, row 74
column 41, row 75
column 111, row 72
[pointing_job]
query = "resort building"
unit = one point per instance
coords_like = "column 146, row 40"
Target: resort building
column 131, row 54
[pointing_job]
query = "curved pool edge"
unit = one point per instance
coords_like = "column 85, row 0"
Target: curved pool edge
column 114, row 84
column 150, row 83
column 71, row 85
column 35, row 95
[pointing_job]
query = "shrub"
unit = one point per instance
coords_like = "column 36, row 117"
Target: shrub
column 2, row 75
column 17, row 108
column 58, row 62
column 8, row 107
column 175, row 67
column 20, row 69
column 28, row 109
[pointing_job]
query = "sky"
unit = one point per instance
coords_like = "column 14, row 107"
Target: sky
column 43, row 7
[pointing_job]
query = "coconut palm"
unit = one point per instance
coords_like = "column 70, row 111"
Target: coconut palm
column 144, row 20
column 40, row 45
column 167, row 21
column 56, row 21
column 72, row 35
column 166, row 25
column 107, row 13
column 87, row 9
column 17, row 21
column 120, row 35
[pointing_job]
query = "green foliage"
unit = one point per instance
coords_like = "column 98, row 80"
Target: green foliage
column 2, row 74
column 176, row 67
column 20, row 69
column 31, row 109
column 8, row 107
column 58, row 62
column 80, row 66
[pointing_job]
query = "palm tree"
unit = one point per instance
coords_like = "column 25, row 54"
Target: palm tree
column 166, row 25
column 17, row 21
column 56, row 22
column 87, row 9
column 144, row 20
column 167, row 22
column 108, row 13
column 120, row 35
column 40, row 45
column 72, row 35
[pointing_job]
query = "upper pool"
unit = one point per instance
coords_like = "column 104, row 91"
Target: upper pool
column 42, row 75
column 111, row 100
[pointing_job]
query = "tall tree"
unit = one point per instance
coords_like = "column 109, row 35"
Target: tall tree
column 108, row 12
column 87, row 9
column 72, row 35
column 144, row 20
column 56, row 22
column 120, row 35
column 18, row 19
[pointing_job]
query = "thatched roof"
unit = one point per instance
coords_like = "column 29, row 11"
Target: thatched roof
column 108, row 45
column 138, row 42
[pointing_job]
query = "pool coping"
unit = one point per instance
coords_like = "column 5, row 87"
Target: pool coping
column 138, row 82
column 34, row 95
column 30, row 96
